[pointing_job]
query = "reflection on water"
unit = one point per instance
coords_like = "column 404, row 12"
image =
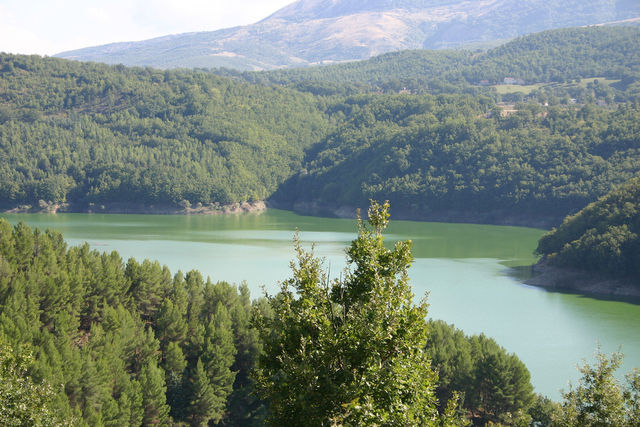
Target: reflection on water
column 464, row 268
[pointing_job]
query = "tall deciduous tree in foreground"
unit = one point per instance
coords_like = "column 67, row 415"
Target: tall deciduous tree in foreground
column 349, row 351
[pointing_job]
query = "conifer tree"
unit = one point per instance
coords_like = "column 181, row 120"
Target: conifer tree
column 244, row 407
column 218, row 357
column 203, row 399
column 156, row 411
column 170, row 325
column 174, row 365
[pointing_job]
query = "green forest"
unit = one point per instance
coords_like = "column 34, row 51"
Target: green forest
column 90, row 137
column 88, row 134
column 438, row 157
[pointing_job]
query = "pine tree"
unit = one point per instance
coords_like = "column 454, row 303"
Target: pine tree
column 244, row 407
column 154, row 400
column 218, row 357
column 174, row 365
column 203, row 399
column 170, row 325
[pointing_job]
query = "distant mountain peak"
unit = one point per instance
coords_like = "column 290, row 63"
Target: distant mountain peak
column 322, row 9
column 309, row 32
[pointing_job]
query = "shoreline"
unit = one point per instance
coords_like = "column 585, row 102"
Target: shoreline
column 130, row 208
column 559, row 279
column 301, row 208
column 451, row 216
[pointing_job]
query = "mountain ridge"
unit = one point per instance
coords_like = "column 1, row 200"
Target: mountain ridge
column 311, row 32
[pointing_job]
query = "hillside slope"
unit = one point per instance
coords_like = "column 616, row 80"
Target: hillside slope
column 548, row 56
column 603, row 237
column 321, row 31
column 441, row 158
column 597, row 250
column 93, row 135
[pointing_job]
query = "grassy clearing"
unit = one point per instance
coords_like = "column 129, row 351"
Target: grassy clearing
column 527, row 89
column 601, row 80
column 524, row 89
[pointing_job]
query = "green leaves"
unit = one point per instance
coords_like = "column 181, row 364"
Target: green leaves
column 24, row 401
column 348, row 351
column 599, row 400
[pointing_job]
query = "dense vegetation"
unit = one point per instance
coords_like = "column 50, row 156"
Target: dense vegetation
column 603, row 237
column 120, row 344
column 349, row 351
column 439, row 156
column 493, row 385
column 549, row 56
column 99, row 137
column 92, row 134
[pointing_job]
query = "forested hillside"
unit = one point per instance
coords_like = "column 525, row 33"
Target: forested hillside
column 92, row 134
column 439, row 157
column 118, row 343
column 549, row 56
column 98, row 138
column 603, row 237
column 560, row 55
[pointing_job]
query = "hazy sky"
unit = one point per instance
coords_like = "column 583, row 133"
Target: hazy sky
column 46, row 27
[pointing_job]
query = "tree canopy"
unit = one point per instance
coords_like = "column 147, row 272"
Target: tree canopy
column 88, row 339
column 599, row 399
column 602, row 237
column 349, row 350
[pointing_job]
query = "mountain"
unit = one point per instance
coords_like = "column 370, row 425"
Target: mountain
column 311, row 32
column 549, row 56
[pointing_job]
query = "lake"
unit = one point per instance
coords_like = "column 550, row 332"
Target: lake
column 465, row 268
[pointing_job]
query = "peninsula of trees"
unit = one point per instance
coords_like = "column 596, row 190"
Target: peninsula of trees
column 603, row 238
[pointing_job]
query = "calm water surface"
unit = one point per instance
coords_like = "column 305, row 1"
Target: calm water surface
column 466, row 269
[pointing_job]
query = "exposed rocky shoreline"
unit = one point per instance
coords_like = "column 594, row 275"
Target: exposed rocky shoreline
column 579, row 281
column 129, row 208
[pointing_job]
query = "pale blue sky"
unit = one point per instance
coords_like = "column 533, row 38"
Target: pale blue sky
column 46, row 27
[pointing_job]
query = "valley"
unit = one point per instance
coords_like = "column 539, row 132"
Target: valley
column 173, row 227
